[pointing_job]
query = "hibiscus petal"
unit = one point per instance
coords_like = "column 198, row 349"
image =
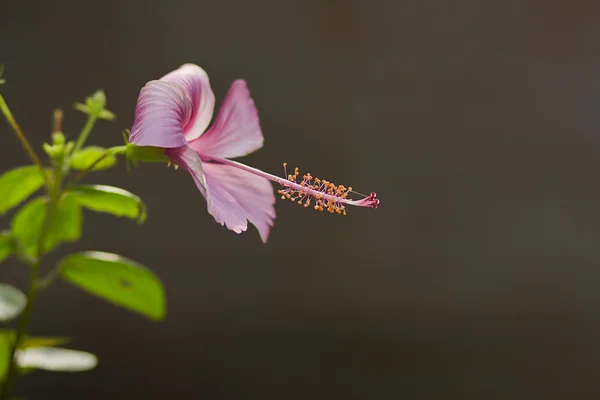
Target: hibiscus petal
column 187, row 159
column 236, row 131
column 196, row 85
column 236, row 196
column 162, row 110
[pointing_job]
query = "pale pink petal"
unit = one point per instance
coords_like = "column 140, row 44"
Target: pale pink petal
column 187, row 159
column 236, row 130
column 196, row 86
column 161, row 112
column 235, row 195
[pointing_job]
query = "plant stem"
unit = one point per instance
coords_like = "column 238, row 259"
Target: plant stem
column 55, row 193
column 47, row 280
column 112, row 151
column 31, row 296
column 85, row 132
column 22, row 138
column 21, row 330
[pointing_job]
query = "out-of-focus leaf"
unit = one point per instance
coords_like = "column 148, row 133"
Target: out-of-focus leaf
column 56, row 359
column 5, row 344
column 118, row 280
column 12, row 302
column 82, row 107
column 98, row 100
column 64, row 226
column 106, row 115
column 42, row 341
column 86, row 157
column 6, row 245
column 110, row 200
column 17, row 185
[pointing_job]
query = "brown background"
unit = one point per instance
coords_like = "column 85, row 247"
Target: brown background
column 476, row 122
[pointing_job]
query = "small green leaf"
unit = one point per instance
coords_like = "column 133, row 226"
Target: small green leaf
column 5, row 345
column 106, row 115
column 7, row 245
column 56, row 359
column 98, row 100
column 110, row 200
column 118, row 280
column 42, row 341
column 18, row 184
column 86, row 157
column 64, row 226
column 12, row 302
column 82, row 107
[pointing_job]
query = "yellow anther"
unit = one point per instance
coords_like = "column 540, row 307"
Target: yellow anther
column 327, row 195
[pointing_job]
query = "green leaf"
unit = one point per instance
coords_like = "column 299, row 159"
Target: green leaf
column 17, row 185
column 56, row 359
column 42, row 341
column 118, row 280
column 110, row 200
column 27, row 223
column 64, row 226
column 5, row 345
column 12, row 302
column 7, row 337
column 98, row 100
column 82, row 107
column 86, row 157
column 6, row 245
column 106, row 115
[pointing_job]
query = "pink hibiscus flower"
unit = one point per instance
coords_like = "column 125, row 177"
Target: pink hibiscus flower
column 173, row 113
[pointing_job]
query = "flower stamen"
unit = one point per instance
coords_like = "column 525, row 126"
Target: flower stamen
column 324, row 194
column 327, row 195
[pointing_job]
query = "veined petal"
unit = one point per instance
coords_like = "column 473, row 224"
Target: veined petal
column 187, row 159
column 235, row 196
column 236, row 130
column 196, row 85
column 161, row 112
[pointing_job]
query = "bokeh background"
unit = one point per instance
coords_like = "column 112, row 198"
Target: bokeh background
column 477, row 124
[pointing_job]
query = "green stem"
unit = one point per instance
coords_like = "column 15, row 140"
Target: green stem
column 34, row 285
column 22, row 138
column 85, row 132
column 21, row 330
column 26, row 315
column 112, row 151
column 47, row 280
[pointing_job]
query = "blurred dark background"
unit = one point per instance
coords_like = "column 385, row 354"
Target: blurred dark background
column 477, row 124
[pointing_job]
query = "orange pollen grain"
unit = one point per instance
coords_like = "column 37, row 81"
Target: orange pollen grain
column 325, row 194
